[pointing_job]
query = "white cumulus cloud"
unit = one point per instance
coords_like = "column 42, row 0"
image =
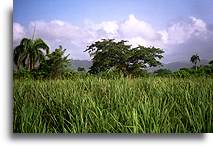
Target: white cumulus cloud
column 133, row 27
column 179, row 39
column 182, row 31
column 18, row 33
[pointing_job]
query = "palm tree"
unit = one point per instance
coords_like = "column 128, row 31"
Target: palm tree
column 28, row 53
column 195, row 59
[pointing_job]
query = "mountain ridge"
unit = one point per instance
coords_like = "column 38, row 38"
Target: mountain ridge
column 173, row 66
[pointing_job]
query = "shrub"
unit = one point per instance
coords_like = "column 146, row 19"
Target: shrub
column 181, row 74
column 163, row 72
column 22, row 74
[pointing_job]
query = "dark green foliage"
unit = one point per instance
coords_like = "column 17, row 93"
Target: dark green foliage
column 211, row 63
column 32, row 63
column 110, row 59
column 163, row 72
column 28, row 53
column 108, row 102
column 110, row 74
column 201, row 71
column 108, row 54
column 81, row 69
column 111, row 55
column 195, row 59
column 74, row 75
column 205, row 71
column 182, row 73
column 56, row 63
column 22, row 73
column 145, row 56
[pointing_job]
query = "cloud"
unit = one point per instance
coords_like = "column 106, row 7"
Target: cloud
column 133, row 27
column 187, row 37
column 109, row 27
column 180, row 39
column 18, row 33
column 73, row 38
column 182, row 31
column 59, row 30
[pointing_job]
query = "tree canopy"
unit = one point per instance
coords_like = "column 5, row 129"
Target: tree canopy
column 110, row 59
column 56, row 63
column 108, row 54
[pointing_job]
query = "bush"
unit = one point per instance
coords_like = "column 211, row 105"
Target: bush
column 75, row 75
column 22, row 74
column 163, row 72
column 181, row 74
column 81, row 69
column 111, row 74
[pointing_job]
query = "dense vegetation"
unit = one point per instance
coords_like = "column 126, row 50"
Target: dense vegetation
column 116, row 95
column 117, row 56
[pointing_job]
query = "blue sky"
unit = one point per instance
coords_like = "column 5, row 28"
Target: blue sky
column 153, row 15
column 158, row 12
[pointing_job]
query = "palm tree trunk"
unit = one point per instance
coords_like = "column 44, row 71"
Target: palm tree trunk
column 29, row 65
column 18, row 65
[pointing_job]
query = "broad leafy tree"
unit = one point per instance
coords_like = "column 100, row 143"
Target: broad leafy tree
column 108, row 54
column 142, row 57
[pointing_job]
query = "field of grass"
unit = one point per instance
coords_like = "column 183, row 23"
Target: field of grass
column 95, row 105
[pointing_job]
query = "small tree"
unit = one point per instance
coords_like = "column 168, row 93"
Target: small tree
column 56, row 64
column 195, row 59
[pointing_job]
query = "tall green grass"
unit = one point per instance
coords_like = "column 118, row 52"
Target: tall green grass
column 95, row 105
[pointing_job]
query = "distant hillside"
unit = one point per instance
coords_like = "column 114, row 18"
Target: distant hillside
column 174, row 66
column 171, row 66
column 81, row 63
column 177, row 65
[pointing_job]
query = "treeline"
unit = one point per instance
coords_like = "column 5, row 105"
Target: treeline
column 196, row 71
column 110, row 58
column 32, row 59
